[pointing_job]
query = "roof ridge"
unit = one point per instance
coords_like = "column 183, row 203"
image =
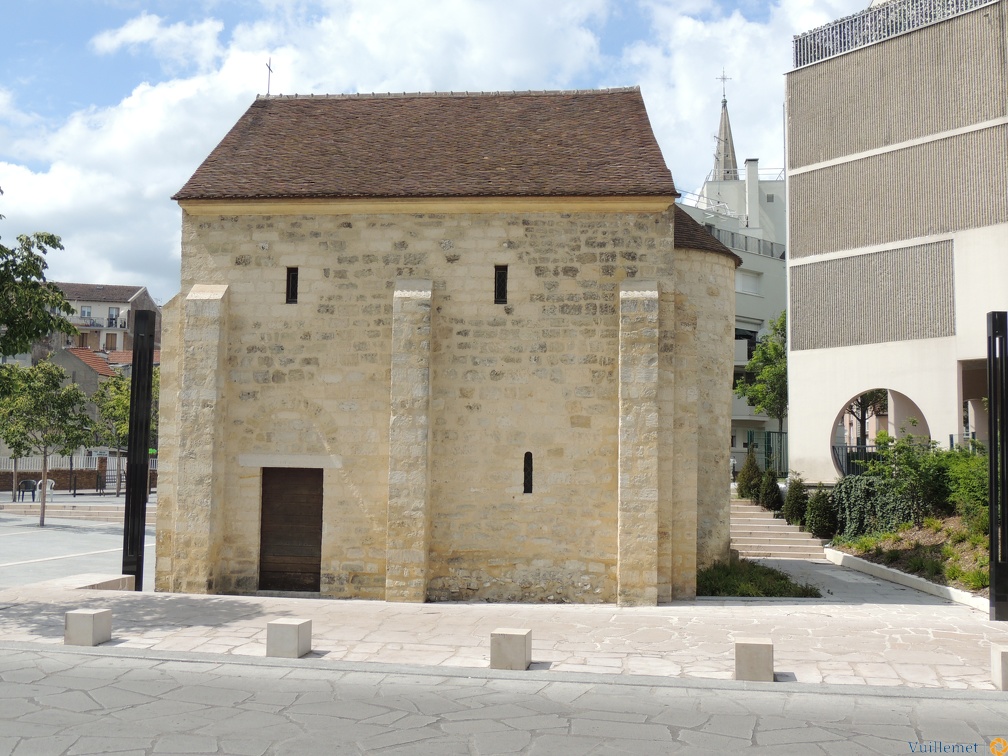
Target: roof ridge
column 449, row 93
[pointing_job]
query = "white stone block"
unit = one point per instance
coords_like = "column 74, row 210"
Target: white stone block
column 999, row 666
column 288, row 638
column 87, row 627
column 510, row 648
column 754, row 659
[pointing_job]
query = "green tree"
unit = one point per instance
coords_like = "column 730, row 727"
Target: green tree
column 113, row 402
column 11, row 433
column 30, row 307
column 48, row 414
column 870, row 404
column 764, row 385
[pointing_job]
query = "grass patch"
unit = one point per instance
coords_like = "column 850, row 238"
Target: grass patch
column 942, row 550
column 751, row 580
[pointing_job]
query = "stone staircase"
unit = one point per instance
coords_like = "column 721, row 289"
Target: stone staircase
column 68, row 510
column 756, row 533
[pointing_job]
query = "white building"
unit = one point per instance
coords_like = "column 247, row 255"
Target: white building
column 897, row 122
column 746, row 210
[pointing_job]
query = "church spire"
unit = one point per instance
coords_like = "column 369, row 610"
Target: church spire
column 725, row 163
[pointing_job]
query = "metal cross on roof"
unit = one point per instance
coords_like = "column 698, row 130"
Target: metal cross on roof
column 722, row 78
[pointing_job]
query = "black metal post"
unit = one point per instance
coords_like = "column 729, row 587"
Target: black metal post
column 997, row 414
column 137, row 454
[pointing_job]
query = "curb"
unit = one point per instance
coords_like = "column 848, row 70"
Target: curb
column 844, row 559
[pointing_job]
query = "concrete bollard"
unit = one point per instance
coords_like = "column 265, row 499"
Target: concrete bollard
column 510, row 648
column 754, row 659
column 87, row 627
column 288, row 638
column 999, row 666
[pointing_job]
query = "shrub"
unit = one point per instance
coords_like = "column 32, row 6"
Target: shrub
column 869, row 504
column 977, row 580
column 769, row 493
column 967, row 476
column 975, row 516
column 820, row 516
column 751, row 579
column 748, row 479
column 796, row 501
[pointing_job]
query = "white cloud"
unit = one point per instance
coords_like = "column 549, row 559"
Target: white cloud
column 107, row 174
column 179, row 46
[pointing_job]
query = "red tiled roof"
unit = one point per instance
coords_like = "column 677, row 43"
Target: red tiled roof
column 514, row 144
column 691, row 235
column 95, row 361
column 125, row 357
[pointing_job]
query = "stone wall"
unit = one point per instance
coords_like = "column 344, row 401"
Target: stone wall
column 313, row 384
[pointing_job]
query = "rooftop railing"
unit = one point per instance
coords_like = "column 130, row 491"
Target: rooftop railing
column 874, row 25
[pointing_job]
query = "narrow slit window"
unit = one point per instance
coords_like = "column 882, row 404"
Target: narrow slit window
column 528, row 472
column 292, row 285
column 500, row 284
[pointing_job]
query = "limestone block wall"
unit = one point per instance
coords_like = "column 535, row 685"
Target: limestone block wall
column 311, row 384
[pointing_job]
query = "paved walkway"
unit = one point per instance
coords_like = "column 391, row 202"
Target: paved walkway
column 56, row 700
column 870, row 668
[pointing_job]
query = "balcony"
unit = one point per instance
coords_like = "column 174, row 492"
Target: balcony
column 875, row 25
column 81, row 321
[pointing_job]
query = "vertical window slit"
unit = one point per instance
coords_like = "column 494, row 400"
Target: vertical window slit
column 292, row 285
column 500, row 284
column 528, row 472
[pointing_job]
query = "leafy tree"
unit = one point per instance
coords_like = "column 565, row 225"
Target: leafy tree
column 30, row 307
column 113, row 402
column 47, row 415
column 766, row 391
column 11, row 433
column 870, row 404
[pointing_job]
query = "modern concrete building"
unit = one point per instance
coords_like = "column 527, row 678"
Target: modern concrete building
column 897, row 126
column 444, row 347
column 745, row 210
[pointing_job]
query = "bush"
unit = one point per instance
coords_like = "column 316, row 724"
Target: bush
column 869, row 504
column 975, row 516
column 748, row 479
column 750, row 579
column 967, row 476
column 796, row 501
column 820, row 515
column 769, row 493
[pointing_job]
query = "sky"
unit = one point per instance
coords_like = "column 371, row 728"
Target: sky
column 108, row 106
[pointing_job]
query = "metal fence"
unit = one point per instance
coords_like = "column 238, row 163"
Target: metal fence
column 874, row 25
column 771, row 450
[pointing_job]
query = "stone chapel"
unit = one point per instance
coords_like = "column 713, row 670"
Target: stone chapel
column 441, row 347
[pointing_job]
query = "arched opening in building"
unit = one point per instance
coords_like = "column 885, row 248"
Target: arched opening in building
column 859, row 420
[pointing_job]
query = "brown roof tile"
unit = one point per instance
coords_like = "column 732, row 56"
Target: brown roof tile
column 690, row 234
column 95, row 361
column 125, row 357
column 532, row 144
column 82, row 292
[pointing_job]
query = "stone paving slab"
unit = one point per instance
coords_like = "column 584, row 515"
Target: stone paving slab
column 317, row 706
column 863, row 632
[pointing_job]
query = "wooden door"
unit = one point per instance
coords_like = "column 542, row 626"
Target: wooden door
column 290, row 541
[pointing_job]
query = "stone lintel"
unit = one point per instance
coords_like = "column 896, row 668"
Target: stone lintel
column 408, row 536
column 637, row 567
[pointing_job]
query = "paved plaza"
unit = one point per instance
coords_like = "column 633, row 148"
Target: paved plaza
column 870, row 667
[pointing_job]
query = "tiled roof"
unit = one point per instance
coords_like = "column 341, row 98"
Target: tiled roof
column 691, row 235
column 595, row 143
column 125, row 357
column 95, row 361
column 81, row 292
